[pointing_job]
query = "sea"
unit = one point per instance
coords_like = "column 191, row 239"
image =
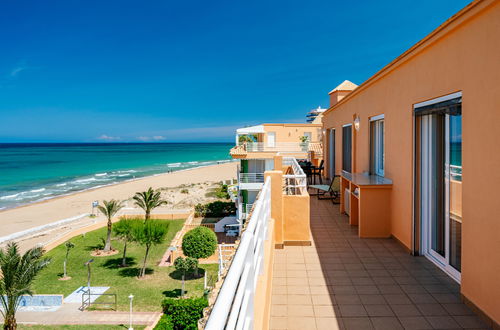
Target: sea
column 32, row 172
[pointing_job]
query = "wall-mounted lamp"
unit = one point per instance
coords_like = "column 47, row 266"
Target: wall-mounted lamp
column 356, row 123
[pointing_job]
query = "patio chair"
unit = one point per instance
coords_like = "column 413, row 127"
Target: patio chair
column 333, row 189
column 318, row 172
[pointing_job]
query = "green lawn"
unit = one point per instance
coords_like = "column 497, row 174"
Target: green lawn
column 78, row 327
column 160, row 282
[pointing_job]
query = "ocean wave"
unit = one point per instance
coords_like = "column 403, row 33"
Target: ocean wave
column 37, row 190
column 83, row 181
column 101, row 174
column 61, row 184
column 192, row 163
column 174, row 165
column 10, row 196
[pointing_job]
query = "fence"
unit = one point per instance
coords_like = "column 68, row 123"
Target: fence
column 234, row 307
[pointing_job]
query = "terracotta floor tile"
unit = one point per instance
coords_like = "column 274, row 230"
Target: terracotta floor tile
column 278, row 323
column 300, row 310
column 301, row 323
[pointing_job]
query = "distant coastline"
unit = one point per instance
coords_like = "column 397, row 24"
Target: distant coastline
column 52, row 175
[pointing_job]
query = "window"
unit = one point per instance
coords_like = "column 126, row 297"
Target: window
column 377, row 145
column 347, row 147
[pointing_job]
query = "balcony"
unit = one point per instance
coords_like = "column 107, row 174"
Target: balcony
column 266, row 150
column 250, row 181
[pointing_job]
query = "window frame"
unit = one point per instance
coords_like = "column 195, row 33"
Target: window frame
column 344, row 148
column 377, row 145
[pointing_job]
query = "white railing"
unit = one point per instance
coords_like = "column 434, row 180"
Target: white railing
column 251, row 177
column 292, row 147
column 295, row 183
column 456, row 172
column 234, row 307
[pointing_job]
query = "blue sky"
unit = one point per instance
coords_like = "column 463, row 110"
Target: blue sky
column 189, row 70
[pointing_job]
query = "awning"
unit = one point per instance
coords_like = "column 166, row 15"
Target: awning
column 251, row 130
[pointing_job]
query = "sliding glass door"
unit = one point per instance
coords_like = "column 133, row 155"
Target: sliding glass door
column 439, row 182
column 331, row 153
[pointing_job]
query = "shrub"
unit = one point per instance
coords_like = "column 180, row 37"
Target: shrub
column 215, row 209
column 199, row 242
column 165, row 323
column 184, row 191
column 184, row 313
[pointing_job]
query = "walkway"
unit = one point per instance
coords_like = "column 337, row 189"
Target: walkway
column 344, row 282
column 69, row 314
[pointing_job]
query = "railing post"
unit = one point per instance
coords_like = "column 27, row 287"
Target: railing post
column 276, row 195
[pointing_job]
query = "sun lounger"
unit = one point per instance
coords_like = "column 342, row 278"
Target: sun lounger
column 333, row 189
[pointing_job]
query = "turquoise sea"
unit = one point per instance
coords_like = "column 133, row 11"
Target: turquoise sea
column 31, row 172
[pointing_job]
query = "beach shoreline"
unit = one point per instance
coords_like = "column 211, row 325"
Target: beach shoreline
column 49, row 199
column 78, row 204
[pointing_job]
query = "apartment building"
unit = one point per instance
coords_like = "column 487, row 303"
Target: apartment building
column 415, row 240
column 416, row 148
column 256, row 147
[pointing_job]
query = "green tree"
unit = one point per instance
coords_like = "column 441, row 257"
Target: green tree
column 247, row 138
column 109, row 209
column 124, row 230
column 199, row 243
column 149, row 200
column 69, row 245
column 149, row 233
column 17, row 272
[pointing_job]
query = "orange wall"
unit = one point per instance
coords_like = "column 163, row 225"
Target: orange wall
column 464, row 56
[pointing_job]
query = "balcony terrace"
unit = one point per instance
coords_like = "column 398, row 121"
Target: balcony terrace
column 266, row 150
column 342, row 281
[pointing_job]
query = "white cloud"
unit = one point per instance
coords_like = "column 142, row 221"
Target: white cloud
column 105, row 137
column 151, row 138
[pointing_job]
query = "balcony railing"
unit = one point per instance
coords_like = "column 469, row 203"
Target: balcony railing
column 251, row 178
column 234, row 307
column 292, row 147
column 295, row 182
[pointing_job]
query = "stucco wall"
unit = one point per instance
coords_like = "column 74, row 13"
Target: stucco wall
column 462, row 56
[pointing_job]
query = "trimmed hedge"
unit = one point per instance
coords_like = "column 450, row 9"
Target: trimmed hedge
column 215, row 209
column 184, row 313
column 199, row 243
column 165, row 323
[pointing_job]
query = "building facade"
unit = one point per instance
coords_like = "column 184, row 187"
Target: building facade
column 425, row 126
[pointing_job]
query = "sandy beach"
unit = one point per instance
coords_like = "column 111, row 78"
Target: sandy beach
column 182, row 189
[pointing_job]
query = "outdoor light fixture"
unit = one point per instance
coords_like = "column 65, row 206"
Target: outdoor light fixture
column 88, row 272
column 131, row 297
column 356, row 123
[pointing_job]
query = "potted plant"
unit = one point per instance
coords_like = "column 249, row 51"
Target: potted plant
column 304, row 143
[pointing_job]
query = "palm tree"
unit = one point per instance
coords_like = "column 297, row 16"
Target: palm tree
column 109, row 209
column 124, row 230
column 149, row 200
column 149, row 233
column 69, row 245
column 17, row 272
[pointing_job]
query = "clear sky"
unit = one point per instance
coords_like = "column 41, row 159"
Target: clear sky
column 189, row 70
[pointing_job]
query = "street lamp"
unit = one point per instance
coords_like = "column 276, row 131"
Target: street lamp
column 131, row 297
column 88, row 272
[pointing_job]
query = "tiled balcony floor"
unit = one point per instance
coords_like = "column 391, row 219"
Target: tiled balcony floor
column 344, row 282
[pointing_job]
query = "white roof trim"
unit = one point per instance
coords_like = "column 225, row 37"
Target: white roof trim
column 251, row 130
column 438, row 99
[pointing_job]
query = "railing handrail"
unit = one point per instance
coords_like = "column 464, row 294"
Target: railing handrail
column 234, row 305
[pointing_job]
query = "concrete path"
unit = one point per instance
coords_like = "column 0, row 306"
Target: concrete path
column 69, row 314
